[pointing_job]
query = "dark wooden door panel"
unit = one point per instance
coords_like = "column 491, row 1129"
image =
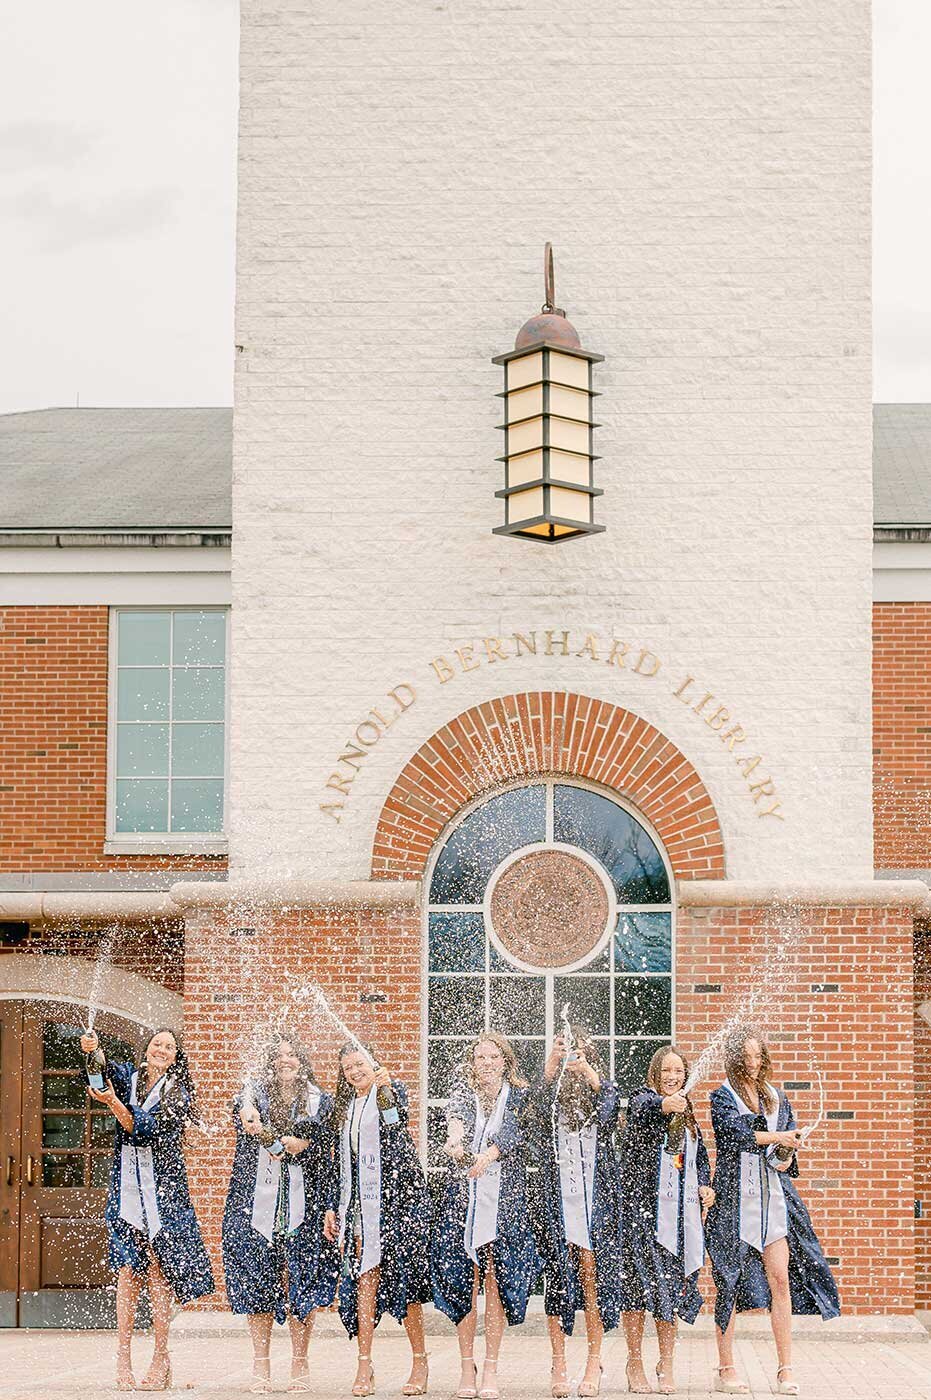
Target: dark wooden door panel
column 11, row 1091
column 65, row 1151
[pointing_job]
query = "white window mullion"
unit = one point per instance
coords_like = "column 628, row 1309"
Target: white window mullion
column 171, row 697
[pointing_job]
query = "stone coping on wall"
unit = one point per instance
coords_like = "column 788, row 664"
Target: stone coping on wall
column 729, row 894
column 297, row 893
column 205, row 895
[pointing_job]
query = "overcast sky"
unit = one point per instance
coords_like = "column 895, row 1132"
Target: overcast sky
column 116, row 235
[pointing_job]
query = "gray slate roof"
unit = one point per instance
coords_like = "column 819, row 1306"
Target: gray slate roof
column 142, row 469
column 902, row 464
column 116, row 469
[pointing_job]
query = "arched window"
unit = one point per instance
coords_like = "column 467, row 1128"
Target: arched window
column 541, row 896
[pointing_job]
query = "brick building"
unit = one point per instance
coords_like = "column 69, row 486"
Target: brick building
column 411, row 731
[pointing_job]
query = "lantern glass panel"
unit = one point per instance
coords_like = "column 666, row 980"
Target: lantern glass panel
column 572, row 436
column 569, row 403
column 565, row 466
column 528, row 468
column 570, row 505
column 526, row 370
column 568, row 369
column 525, row 403
column 523, row 437
column 523, row 505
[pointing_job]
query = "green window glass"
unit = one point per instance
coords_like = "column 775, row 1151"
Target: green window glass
column 170, row 732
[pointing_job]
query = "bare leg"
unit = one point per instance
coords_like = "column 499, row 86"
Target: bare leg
column 726, row 1368
column 666, row 1335
column 633, row 1332
column 365, row 1306
column 560, row 1376
column 413, row 1326
column 494, row 1331
column 260, row 1330
column 128, row 1289
column 465, row 1331
column 776, row 1264
column 160, row 1296
column 300, row 1340
column 594, row 1327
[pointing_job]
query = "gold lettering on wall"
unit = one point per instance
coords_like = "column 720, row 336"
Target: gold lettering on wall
column 715, row 715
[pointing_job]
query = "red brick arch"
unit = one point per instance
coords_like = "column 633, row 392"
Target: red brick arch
column 547, row 733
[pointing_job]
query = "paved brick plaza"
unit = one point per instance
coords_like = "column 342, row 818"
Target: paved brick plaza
column 829, row 1365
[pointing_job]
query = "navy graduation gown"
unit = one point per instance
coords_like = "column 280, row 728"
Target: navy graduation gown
column 514, row 1253
column 737, row 1267
column 404, row 1223
column 176, row 1243
column 255, row 1266
column 653, row 1279
column 562, row 1296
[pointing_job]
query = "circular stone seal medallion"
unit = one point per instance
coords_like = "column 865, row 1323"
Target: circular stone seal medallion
column 549, row 909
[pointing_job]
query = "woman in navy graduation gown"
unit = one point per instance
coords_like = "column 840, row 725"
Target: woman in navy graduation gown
column 482, row 1236
column 383, row 1221
column 764, row 1251
column 154, row 1235
column 575, row 1201
column 665, row 1185
column 277, row 1261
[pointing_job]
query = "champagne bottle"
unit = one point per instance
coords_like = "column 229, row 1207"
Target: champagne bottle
column 96, row 1064
column 387, row 1103
column 675, row 1134
column 784, row 1154
column 270, row 1140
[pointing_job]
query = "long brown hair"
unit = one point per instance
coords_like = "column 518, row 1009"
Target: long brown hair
column 735, row 1067
column 512, row 1072
column 178, row 1077
column 279, row 1112
column 576, row 1096
column 655, row 1081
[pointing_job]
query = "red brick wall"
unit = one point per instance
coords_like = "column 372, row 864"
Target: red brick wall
column 235, row 984
column 860, row 1034
column 53, row 744
column 902, row 736
column 548, row 732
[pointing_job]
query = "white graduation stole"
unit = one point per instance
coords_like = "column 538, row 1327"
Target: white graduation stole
column 138, row 1203
column 268, row 1184
column 763, row 1216
column 368, row 1179
column 670, row 1183
column 577, row 1181
column 481, row 1226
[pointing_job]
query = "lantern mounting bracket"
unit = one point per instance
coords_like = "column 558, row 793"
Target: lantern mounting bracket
column 549, row 307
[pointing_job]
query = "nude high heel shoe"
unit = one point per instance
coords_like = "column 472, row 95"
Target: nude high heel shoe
column 164, row 1383
column 729, row 1387
column 785, row 1387
column 417, row 1387
column 260, row 1385
column 363, row 1388
column 468, row 1392
column 489, row 1392
column 559, row 1386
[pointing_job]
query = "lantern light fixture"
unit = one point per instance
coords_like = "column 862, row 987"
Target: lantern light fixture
column 549, row 489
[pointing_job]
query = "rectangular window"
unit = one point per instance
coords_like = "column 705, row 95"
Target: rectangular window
column 168, row 727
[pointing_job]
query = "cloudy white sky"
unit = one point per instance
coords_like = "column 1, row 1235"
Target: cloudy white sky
column 117, row 202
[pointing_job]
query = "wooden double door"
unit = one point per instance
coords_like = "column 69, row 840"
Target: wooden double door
column 56, row 1147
